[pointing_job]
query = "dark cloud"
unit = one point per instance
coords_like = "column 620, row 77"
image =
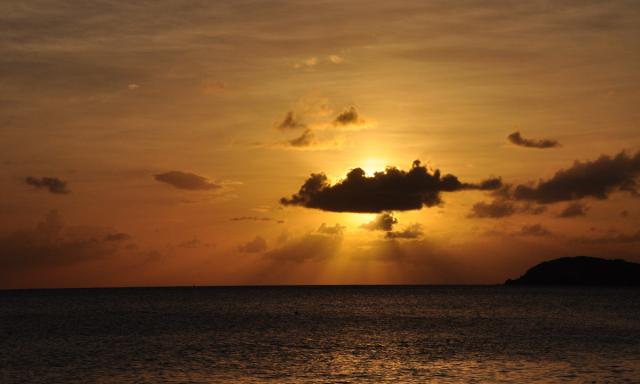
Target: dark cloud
column 382, row 222
column 574, row 210
column 413, row 231
column 349, row 116
column 495, row 209
column 50, row 244
column 254, row 246
column 119, row 236
column 186, row 180
column 517, row 139
column 595, row 179
column 336, row 229
column 290, row 122
column 306, row 139
column 391, row 190
column 256, row 218
column 534, row 230
column 52, row 184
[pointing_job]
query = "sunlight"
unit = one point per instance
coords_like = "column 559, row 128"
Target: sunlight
column 355, row 220
column 373, row 164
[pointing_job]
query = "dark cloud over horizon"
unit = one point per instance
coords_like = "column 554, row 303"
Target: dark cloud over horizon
column 52, row 184
column 517, row 139
column 50, row 244
column 596, row 179
column 391, row 190
column 186, row 180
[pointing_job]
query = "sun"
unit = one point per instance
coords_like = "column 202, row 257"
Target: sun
column 371, row 165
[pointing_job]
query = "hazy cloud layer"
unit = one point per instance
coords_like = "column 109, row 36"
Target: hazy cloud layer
column 186, row 180
column 517, row 139
column 413, row 231
column 615, row 238
column 314, row 246
column 258, row 244
column 336, row 229
column 52, row 184
column 595, row 179
column 49, row 244
column 391, row 190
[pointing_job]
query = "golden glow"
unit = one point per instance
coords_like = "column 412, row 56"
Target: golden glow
column 355, row 220
column 372, row 165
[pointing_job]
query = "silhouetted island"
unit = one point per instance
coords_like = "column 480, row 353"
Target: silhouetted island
column 581, row 270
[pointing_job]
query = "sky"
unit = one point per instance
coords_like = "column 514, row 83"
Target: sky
column 165, row 142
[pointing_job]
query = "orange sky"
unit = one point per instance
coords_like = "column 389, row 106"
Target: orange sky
column 151, row 143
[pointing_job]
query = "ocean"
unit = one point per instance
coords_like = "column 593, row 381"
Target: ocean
column 324, row 334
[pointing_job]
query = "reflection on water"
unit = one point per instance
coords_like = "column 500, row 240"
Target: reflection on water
column 320, row 334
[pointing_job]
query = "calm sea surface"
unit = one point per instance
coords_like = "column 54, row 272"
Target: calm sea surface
column 320, row 335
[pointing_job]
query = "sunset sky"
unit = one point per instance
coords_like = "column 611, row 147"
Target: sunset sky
column 167, row 142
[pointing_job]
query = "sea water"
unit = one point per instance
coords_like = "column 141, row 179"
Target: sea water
column 372, row 334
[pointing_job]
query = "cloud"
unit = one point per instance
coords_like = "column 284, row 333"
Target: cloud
column 382, row 222
column 347, row 117
column 119, row 236
column 619, row 238
column 495, row 209
column 391, row 190
column 337, row 229
column 517, row 139
column 595, row 179
column 290, row 122
column 186, row 180
column 533, row 230
column 574, row 210
column 254, row 246
column 307, row 64
column 335, row 59
column 306, row 139
column 52, row 184
column 413, row 231
column 315, row 246
column 256, row 218
column 51, row 244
